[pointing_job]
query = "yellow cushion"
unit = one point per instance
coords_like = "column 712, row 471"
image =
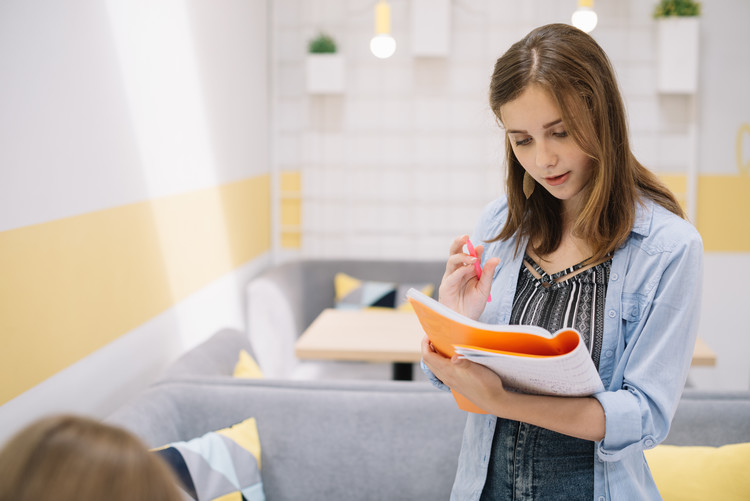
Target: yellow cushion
column 247, row 367
column 701, row 473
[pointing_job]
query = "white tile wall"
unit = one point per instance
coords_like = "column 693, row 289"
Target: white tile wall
column 409, row 154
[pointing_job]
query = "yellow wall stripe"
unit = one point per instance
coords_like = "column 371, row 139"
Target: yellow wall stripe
column 291, row 212
column 678, row 184
column 72, row 286
column 723, row 208
column 290, row 183
column 291, row 240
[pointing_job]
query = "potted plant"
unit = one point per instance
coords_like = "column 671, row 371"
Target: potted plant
column 677, row 39
column 677, row 8
column 325, row 67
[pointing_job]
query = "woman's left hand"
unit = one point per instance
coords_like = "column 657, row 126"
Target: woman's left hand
column 476, row 382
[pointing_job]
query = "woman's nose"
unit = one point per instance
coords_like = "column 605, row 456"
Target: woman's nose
column 545, row 155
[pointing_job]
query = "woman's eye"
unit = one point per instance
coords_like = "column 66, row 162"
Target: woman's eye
column 523, row 142
column 561, row 134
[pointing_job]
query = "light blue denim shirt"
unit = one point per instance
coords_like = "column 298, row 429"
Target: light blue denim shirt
column 650, row 327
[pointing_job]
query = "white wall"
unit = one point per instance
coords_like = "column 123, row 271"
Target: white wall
column 110, row 103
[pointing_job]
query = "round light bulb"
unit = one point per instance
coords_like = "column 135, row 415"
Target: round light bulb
column 584, row 19
column 383, row 45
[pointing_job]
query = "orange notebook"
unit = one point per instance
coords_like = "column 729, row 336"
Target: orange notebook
column 528, row 359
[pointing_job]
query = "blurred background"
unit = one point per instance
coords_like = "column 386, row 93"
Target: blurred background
column 156, row 155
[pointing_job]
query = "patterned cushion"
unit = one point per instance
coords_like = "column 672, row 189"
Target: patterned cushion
column 402, row 303
column 354, row 294
column 221, row 465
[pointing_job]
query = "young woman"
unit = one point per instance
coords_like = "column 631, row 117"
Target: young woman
column 586, row 237
column 72, row 458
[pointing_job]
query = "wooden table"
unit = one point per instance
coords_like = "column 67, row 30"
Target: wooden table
column 366, row 336
column 703, row 355
column 388, row 336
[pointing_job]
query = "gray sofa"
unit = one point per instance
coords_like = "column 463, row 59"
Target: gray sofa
column 345, row 440
column 320, row 440
column 284, row 300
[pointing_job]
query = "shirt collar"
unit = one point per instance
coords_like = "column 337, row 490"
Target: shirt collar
column 644, row 212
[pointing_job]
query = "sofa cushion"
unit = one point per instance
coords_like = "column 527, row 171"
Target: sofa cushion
column 689, row 473
column 219, row 465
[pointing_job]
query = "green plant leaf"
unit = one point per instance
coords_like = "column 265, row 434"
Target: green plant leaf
column 677, row 8
column 322, row 44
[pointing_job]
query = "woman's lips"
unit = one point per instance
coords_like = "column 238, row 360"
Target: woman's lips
column 557, row 180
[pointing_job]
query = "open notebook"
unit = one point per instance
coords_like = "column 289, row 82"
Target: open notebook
column 528, row 359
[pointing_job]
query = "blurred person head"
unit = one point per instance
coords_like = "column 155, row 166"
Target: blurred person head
column 73, row 458
column 576, row 74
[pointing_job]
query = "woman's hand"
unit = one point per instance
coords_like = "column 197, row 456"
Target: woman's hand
column 460, row 290
column 475, row 382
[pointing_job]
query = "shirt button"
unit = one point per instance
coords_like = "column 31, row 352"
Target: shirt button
column 601, row 498
column 614, row 276
column 649, row 442
column 612, row 313
column 608, row 353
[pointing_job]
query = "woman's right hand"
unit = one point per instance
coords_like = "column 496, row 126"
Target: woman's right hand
column 460, row 290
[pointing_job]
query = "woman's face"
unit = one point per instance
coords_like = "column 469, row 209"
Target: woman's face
column 533, row 123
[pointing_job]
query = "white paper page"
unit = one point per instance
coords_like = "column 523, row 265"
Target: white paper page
column 573, row 374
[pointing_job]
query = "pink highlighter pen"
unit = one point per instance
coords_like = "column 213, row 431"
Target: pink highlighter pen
column 477, row 266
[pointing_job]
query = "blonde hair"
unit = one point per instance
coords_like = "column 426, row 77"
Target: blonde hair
column 569, row 65
column 72, row 458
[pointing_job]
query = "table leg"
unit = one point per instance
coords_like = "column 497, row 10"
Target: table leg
column 403, row 371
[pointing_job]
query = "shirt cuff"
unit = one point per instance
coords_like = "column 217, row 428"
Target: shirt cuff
column 623, row 432
column 433, row 379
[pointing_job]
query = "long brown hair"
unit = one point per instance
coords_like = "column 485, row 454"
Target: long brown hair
column 576, row 72
column 73, row 458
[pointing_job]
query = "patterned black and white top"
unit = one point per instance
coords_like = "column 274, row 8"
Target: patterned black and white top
column 558, row 301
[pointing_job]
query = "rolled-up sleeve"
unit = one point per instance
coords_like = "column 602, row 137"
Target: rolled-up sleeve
column 659, row 326
column 433, row 378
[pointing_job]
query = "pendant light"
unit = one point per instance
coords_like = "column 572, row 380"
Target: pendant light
column 584, row 18
column 382, row 44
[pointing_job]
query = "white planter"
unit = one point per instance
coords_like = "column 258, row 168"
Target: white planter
column 677, row 45
column 325, row 73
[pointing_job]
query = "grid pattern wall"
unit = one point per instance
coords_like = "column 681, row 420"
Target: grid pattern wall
column 405, row 158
